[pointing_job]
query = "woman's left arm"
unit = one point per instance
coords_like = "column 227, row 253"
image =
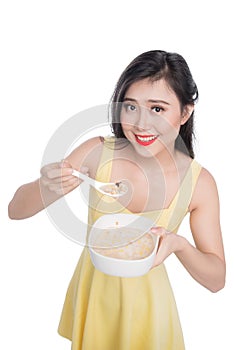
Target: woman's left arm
column 205, row 262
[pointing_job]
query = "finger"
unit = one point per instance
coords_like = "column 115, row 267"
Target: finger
column 58, row 172
column 57, row 182
column 64, row 191
column 158, row 231
column 65, row 164
column 48, row 167
column 61, row 180
column 73, row 181
column 69, row 187
column 65, row 187
column 54, row 169
column 84, row 170
column 160, row 255
column 158, row 261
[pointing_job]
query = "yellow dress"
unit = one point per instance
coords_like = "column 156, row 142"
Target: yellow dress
column 103, row 312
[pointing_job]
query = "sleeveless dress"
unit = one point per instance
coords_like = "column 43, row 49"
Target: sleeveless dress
column 103, row 312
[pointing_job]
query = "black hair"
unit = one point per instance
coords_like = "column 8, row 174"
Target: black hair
column 155, row 65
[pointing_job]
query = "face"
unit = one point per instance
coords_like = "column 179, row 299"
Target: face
column 151, row 117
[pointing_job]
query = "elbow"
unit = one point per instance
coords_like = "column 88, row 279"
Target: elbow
column 219, row 279
column 217, row 288
column 219, row 285
column 11, row 213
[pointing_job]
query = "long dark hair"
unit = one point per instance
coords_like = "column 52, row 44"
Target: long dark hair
column 157, row 64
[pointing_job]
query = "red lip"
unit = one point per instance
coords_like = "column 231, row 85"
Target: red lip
column 145, row 143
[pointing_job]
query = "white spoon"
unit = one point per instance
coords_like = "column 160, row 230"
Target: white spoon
column 113, row 189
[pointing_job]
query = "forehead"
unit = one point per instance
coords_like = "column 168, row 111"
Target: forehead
column 146, row 89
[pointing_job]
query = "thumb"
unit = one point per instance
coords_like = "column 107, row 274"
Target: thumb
column 157, row 230
column 65, row 164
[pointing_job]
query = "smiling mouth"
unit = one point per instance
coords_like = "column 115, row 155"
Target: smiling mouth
column 145, row 140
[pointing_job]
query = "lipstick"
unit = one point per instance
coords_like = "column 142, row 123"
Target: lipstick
column 145, row 140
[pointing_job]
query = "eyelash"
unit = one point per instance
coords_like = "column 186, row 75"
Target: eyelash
column 160, row 109
column 127, row 106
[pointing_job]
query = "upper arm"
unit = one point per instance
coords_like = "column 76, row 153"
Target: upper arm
column 205, row 216
column 87, row 154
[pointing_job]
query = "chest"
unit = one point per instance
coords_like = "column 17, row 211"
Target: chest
column 148, row 189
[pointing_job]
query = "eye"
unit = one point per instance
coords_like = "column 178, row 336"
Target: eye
column 129, row 107
column 157, row 109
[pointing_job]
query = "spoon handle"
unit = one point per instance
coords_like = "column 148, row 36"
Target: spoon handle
column 83, row 177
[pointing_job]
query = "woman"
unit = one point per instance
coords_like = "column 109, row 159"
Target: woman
column 152, row 148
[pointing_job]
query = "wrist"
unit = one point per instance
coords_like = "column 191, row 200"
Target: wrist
column 181, row 244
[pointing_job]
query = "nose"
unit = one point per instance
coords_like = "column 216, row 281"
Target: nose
column 142, row 122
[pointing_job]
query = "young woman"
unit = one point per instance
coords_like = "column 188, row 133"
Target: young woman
column 152, row 112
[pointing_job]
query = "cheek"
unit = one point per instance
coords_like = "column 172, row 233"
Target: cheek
column 169, row 130
column 127, row 121
column 172, row 123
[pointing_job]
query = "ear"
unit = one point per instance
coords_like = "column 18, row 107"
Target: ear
column 188, row 110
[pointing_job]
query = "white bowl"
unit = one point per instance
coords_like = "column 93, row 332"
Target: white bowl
column 121, row 267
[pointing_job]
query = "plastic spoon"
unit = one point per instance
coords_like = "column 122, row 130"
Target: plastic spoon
column 113, row 189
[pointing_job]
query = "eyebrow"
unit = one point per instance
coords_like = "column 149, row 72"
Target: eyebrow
column 153, row 101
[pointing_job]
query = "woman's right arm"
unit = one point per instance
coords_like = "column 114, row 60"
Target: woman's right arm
column 56, row 181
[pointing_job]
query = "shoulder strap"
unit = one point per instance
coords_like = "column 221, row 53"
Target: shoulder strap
column 181, row 202
column 105, row 165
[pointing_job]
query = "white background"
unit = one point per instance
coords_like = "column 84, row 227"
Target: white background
column 59, row 58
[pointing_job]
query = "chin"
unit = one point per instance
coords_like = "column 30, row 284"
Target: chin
column 145, row 152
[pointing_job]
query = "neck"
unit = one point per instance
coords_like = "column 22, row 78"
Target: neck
column 166, row 159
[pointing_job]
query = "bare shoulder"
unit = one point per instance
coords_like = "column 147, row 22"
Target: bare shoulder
column 87, row 154
column 205, row 190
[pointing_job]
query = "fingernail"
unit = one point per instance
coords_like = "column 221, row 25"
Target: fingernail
column 84, row 169
column 64, row 163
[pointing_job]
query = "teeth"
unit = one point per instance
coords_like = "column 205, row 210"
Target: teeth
column 146, row 139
